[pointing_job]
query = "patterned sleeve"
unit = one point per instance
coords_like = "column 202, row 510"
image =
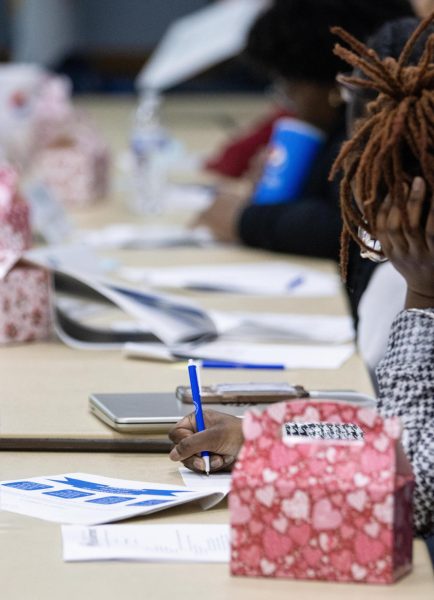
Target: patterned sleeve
column 406, row 388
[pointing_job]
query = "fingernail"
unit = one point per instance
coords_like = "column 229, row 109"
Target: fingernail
column 173, row 455
column 418, row 184
column 228, row 459
column 216, row 462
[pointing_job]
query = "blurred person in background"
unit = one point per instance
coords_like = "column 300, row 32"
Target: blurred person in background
column 293, row 43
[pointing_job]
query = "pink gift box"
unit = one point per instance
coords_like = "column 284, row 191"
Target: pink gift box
column 15, row 229
column 75, row 165
column 25, row 301
column 307, row 505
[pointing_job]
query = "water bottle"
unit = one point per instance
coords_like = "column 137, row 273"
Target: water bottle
column 149, row 145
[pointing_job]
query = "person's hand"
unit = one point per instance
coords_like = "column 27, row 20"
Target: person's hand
column 408, row 242
column 256, row 166
column 423, row 7
column 222, row 437
column 221, row 218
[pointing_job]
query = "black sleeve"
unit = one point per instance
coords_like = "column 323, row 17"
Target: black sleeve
column 308, row 227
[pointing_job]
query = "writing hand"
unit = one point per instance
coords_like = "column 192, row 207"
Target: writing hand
column 222, row 437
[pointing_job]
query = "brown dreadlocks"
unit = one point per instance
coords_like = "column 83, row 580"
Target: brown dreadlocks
column 395, row 142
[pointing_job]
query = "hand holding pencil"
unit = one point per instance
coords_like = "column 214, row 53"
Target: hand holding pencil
column 201, row 433
column 222, row 438
column 196, row 394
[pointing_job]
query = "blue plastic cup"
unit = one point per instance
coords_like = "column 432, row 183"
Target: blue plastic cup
column 293, row 147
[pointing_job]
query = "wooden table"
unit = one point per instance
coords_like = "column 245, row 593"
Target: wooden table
column 31, row 566
column 44, row 389
column 45, row 386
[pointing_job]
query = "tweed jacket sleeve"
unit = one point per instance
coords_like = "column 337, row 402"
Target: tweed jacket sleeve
column 406, row 389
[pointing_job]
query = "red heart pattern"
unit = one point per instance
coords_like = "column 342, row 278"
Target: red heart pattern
column 25, row 307
column 329, row 510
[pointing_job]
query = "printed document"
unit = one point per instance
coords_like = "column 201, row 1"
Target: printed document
column 295, row 327
column 84, row 499
column 276, row 278
column 170, row 319
column 151, row 543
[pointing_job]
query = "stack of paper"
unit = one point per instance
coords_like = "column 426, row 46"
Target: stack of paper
column 283, row 356
column 263, row 326
column 267, row 278
column 290, row 356
column 163, row 543
column 125, row 235
column 84, row 499
column 81, row 499
column 182, row 327
column 169, row 319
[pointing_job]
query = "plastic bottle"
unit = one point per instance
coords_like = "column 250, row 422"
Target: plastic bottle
column 292, row 151
column 149, row 147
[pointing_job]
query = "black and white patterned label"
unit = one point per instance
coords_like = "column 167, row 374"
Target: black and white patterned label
column 305, row 432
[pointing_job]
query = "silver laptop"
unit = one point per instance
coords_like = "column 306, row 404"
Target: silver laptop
column 146, row 413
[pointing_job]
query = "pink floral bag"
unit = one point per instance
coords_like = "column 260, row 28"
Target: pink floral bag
column 321, row 490
column 25, row 290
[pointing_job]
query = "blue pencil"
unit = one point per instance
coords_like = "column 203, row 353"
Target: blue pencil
column 197, row 401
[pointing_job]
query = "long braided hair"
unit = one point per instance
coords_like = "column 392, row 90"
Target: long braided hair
column 395, row 141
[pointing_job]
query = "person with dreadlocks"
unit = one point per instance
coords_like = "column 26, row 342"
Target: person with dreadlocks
column 387, row 203
column 388, row 194
column 385, row 293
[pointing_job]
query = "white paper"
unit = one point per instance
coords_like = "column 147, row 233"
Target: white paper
column 152, row 351
column 124, row 235
column 84, row 499
column 151, row 543
column 76, row 257
column 264, row 278
column 291, row 356
column 171, row 319
column 185, row 198
column 283, row 326
column 49, row 218
column 8, row 259
column 200, row 40
column 219, row 481
column 257, row 327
